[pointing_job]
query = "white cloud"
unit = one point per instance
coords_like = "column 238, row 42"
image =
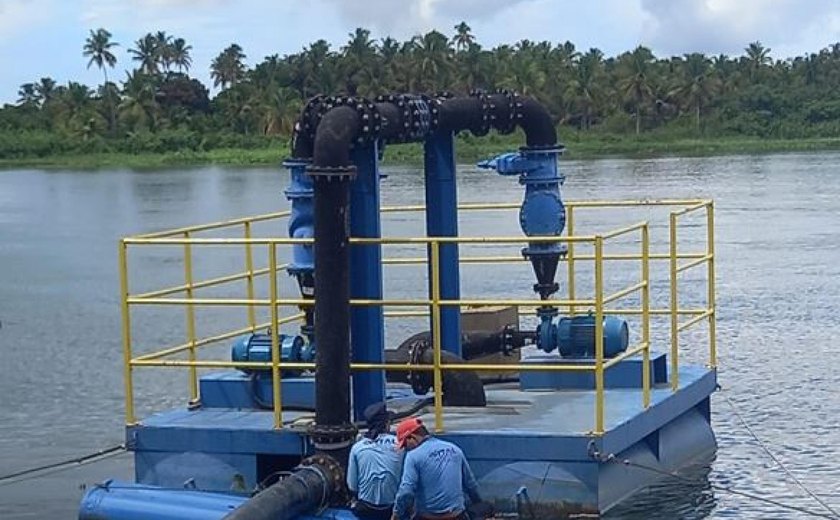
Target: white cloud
column 17, row 16
column 713, row 26
column 401, row 19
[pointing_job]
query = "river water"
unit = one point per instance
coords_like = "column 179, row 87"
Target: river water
column 778, row 247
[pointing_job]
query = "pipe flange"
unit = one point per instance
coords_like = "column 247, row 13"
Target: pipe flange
column 434, row 111
column 484, row 129
column 332, row 172
column 314, row 110
column 421, row 117
column 333, row 473
column 332, row 437
column 370, row 121
column 508, row 126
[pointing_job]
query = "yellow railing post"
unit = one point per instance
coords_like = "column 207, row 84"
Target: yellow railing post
column 646, row 315
column 675, row 376
column 436, row 346
column 710, row 301
column 126, row 335
column 190, row 314
column 570, row 254
column 275, row 341
column 599, row 335
column 249, row 269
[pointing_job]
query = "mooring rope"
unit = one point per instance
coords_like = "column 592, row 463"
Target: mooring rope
column 56, row 467
column 772, row 456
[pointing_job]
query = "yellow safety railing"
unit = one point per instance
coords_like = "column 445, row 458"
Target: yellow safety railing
column 185, row 238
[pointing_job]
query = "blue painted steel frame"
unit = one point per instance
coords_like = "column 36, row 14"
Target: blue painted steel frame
column 442, row 221
column 366, row 323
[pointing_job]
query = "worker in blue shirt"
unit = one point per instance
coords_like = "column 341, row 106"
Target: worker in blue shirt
column 374, row 468
column 436, row 477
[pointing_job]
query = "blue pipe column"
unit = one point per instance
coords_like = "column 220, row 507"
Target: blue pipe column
column 442, row 221
column 302, row 225
column 366, row 323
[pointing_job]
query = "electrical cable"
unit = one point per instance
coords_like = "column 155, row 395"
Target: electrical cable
column 27, row 474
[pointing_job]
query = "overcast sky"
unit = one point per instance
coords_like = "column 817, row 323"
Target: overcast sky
column 45, row 37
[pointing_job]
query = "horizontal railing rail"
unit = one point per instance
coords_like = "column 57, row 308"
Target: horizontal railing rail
column 679, row 261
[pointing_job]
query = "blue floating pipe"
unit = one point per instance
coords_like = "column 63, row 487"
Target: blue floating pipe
column 128, row 501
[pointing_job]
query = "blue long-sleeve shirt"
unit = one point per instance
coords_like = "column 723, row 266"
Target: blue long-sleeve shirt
column 374, row 468
column 435, row 477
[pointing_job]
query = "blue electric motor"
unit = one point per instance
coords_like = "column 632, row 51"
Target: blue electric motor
column 257, row 347
column 575, row 337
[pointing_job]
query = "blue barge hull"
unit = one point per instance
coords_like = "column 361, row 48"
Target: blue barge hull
column 530, row 446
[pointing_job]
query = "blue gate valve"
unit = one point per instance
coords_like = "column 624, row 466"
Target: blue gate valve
column 542, row 213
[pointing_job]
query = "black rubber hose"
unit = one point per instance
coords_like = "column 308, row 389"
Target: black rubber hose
column 304, row 491
column 537, row 124
column 336, row 132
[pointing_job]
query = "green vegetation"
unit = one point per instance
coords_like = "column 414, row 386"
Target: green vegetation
column 630, row 104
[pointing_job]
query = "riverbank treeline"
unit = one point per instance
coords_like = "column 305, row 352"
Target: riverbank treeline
column 629, row 103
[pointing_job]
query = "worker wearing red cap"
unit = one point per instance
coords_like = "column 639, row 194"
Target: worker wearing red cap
column 436, row 479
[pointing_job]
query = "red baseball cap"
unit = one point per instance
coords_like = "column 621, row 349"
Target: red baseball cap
column 405, row 428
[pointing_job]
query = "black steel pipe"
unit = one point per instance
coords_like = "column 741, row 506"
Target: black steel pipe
column 337, row 130
column 477, row 113
column 462, row 113
column 332, row 290
column 536, row 122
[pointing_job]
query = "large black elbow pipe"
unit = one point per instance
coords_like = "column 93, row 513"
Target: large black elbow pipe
column 536, row 122
column 308, row 489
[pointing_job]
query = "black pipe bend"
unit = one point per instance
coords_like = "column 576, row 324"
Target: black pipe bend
column 536, row 122
column 306, row 490
column 336, row 132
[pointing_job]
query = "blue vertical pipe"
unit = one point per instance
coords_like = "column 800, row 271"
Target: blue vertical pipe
column 301, row 220
column 366, row 323
column 442, row 221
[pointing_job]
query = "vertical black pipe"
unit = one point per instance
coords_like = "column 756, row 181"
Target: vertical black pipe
column 332, row 433
column 332, row 293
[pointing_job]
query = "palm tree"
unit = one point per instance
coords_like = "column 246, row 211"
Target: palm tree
column 163, row 49
column 147, row 53
column 585, row 87
column 698, row 85
column 281, row 108
column 359, row 60
column 180, row 54
column 98, row 47
column 45, row 89
column 432, row 60
column 227, row 68
column 463, row 38
column 758, row 56
column 636, row 86
column 27, row 96
column 139, row 106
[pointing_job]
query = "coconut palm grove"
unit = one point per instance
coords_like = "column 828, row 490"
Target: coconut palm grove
column 151, row 104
